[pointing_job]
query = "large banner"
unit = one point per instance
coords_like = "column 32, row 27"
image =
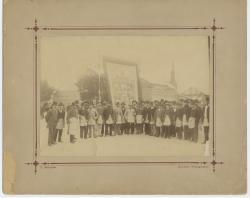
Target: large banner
column 123, row 81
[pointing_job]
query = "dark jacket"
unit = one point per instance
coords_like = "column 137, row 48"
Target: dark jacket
column 186, row 110
column 193, row 112
column 51, row 117
column 145, row 114
column 151, row 114
column 61, row 115
column 179, row 113
column 198, row 115
column 172, row 114
column 107, row 112
column 159, row 113
column 84, row 112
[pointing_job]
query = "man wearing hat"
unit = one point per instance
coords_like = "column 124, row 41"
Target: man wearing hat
column 60, row 122
column 77, row 104
column 118, row 118
column 158, row 120
column 108, row 116
column 198, row 115
column 178, row 123
column 73, row 123
column 192, row 121
column 51, row 119
column 146, row 112
column 152, row 110
column 83, row 119
column 130, row 118
column 166, row 120
column 172, row 113
column 100, row 119
column 134, row 104
column 205, row 120
column 185, row 117
column 104, row 109
column 124, row 124
column 139, row 118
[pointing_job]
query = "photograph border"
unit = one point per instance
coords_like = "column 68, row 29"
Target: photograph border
column 35, row 28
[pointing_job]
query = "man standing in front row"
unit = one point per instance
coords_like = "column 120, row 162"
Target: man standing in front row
column 205, row 120
column 51, row 119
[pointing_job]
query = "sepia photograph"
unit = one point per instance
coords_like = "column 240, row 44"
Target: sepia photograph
column 124, row 96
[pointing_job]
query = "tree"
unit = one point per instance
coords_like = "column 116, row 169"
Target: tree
column 88, row 85
column 45, row 91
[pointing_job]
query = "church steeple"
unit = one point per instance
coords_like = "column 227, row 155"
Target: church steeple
column 172, row 77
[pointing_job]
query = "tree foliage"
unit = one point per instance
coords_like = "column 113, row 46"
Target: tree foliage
column 88, row 85
column 45, row 91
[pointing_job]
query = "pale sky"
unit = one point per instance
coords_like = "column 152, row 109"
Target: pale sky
column 64, row 58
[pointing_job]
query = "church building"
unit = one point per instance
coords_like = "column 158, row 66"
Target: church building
column 157, row 91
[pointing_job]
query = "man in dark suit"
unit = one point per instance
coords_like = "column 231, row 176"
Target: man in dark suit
column 108, row 116
column 51, row 119
column 124, row 124
column 83, row 118
column 186, row 112
column 151, row 118
column 146, row 112
column 192, row 120
column 205, row 120
column 105, row 114
column 178, row 122
column 198, row 114
column 172, row 114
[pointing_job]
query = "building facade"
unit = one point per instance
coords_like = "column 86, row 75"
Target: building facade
column 152, row 91
column 66, row 97
column 157, row 91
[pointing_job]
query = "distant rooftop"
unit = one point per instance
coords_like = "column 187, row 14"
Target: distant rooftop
column 159, row 84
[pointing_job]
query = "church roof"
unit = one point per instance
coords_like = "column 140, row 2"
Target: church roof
column 157, row 83
column 192, row 91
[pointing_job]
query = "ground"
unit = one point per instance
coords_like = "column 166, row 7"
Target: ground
column 124, row 145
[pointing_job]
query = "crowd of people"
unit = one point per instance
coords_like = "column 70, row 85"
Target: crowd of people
column 166, row 119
